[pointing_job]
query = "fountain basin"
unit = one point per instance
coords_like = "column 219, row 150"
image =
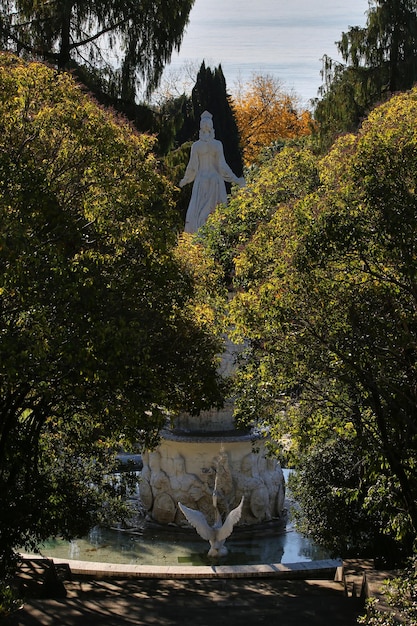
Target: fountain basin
column 154, row 547
column 329, row 569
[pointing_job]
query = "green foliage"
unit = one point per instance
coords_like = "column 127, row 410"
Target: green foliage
column 288, row 175
column 99, row 336
column 401, row 597
column 92, row 38
column 375, row 617
column 329, row 489
column 171, row 116
column 386, row 46
column 209, row 303
column 342, row 105
column 323, row 259
column 9, row 602
column 175, row 164
column 380, row 60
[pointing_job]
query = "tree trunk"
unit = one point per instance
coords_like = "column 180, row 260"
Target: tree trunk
column 64, row 56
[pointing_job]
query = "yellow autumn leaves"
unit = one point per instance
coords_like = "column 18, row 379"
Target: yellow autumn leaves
column 265, row 113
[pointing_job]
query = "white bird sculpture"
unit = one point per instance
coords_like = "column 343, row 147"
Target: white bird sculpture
column 217, row 534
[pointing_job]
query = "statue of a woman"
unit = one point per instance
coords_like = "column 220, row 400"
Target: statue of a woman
column 208, row 169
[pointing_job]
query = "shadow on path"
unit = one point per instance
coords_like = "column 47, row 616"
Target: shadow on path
column 230, row 602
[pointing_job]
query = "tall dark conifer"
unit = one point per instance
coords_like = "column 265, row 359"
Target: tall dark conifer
column 210, row 94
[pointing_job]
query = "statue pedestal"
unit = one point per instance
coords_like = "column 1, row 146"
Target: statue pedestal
column 184, row 466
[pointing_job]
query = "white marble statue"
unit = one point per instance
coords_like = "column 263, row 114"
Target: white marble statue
column 208, row 170
column 217, row 534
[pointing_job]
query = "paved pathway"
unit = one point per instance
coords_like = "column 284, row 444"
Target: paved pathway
column 199, row 602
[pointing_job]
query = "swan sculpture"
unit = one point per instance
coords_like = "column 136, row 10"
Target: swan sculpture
column 217, row 534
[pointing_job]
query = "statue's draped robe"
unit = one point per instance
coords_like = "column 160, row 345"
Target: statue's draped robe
column 208, row 169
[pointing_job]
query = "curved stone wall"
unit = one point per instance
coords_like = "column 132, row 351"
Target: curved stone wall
column 184, row 467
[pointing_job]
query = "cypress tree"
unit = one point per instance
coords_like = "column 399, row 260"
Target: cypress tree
column 210, row 94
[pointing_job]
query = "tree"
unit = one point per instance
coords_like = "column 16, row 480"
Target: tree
column 341, row 108
column 380, row 60
column 265, row 114
column 91, row 38
column 325, row 300
column 210, row 94
column 100, row 340
column 289, row 174
column 386, row 47
column 328, row 489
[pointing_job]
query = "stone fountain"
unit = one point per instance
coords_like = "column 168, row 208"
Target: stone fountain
column 202, row 454
column 199, row 451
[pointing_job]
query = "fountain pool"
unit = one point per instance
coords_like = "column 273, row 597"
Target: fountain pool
column 155, row 547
